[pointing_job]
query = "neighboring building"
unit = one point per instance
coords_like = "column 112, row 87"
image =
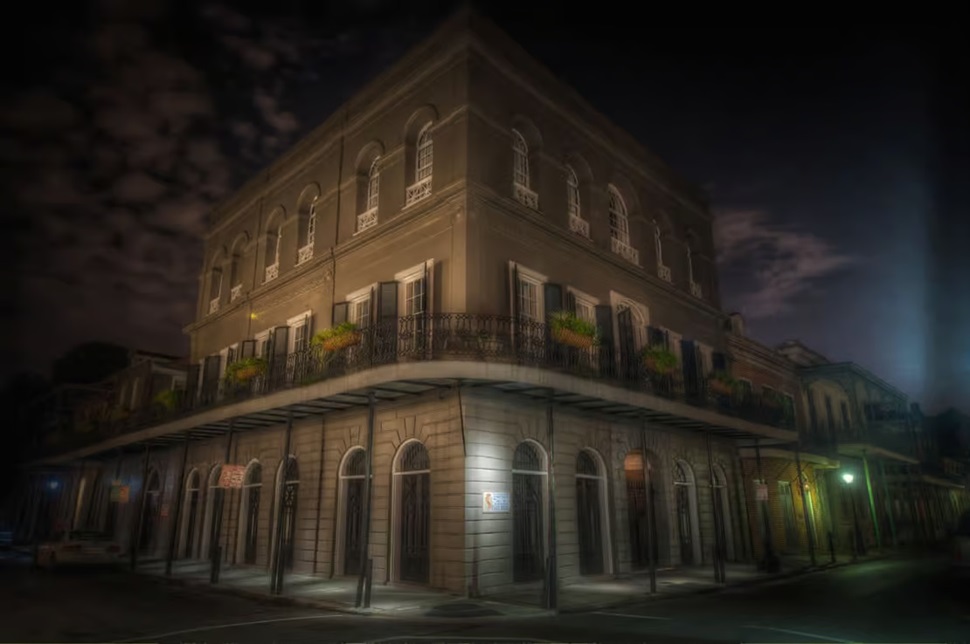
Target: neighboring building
column 945, row 467
column 867, row 422
column 448, row 211
column 793, row 517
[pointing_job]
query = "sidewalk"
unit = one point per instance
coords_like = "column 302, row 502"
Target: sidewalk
column 415, row 602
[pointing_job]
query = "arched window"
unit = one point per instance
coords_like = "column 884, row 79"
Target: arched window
column 307, row 231
column 368, row 217
column 695, row 287
column 723, row 512
column 353, row 476
column 572, row 194
column 152, row 498
column 520, row 160
column 209, row 527
column 619, row 220
column 424, row 154
column 412, row 482
column 215, row 288
column 663, row 271
column 274, row 239
column 590, row 524
column 252, row 491
column 235, row 277
column 687, row 519
column 190, row 521
column 527, row 513
column 288, row 477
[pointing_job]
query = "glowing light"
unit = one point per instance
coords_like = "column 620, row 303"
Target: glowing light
column 53, row 485
column 252, row 316
column 848, row 478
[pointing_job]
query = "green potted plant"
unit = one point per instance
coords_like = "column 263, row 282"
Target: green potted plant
column 339, row 337
column 659, row 360
column 721, row 383
column 242, row 371
column 168, row 399
column 571, row 330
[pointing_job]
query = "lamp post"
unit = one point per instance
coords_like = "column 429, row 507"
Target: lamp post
column 858, row 546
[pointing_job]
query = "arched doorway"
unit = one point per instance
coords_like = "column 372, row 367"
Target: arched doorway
column 193, row 495
column 208, row 528
column 249, row 510
column 353, row 482
column 290, row 479
column 638, row 504
column 527, row 513
column 589, row 514
column 723, row 499
column 413, row 478
column 685, row 495
column 153, row 491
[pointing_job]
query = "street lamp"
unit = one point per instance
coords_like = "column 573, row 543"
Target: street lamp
column 859, row 548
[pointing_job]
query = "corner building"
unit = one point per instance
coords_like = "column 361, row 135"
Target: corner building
column 448, row 210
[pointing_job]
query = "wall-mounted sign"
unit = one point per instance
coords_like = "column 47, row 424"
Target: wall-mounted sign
column 761, row 491
column 232, row 476
column 495, row 502
column 120, row 493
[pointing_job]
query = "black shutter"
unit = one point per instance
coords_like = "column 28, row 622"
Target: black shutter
column 191, row 385
column 656, row 336
column 281, row 344
column 571, row 353
column 247, row 349
column 604, row 323
column 387, row 321
column 553, row 301
column 719, row 361
column 688, row 352
column 211, row 368
column 514, row 308
column 340, row 310
column 628, row 358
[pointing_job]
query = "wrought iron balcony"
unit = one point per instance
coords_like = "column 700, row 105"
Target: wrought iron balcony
column 305, row 254
column 525, row 196
column 417, row 191
column 579, row 226
column 627, row 252
column 458, row 336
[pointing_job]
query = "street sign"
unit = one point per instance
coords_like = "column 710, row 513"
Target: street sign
column 232, row 476
column 495, row 502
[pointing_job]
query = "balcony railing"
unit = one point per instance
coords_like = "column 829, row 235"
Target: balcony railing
column 525, row 196
column 417, row 191
column 663, row 272
column 305, row 254
column 213, row 305
column 695, row 289
column 579, row 226
column 235, row 293
column 366, row 219
column 458, row 336
column 627, row 252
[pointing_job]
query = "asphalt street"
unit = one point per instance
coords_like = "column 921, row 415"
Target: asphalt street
column 902, row 600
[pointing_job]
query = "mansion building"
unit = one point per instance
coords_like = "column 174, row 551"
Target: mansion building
column 393, row 370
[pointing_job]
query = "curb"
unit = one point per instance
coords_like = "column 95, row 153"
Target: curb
column 338, row 607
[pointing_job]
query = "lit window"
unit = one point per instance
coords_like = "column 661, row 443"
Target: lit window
column 424, row 154
column 520, row 160
column 619, row 221
column 373, row 185
column 530, row 307
column 572, row 193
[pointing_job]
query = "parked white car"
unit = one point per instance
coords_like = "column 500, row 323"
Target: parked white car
column 961, row 542
column 79, row 547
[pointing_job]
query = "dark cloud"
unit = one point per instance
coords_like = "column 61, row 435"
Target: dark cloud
column 120, row 159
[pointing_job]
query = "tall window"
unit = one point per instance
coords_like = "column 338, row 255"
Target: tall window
column 359, row 312
column 373, row 185
column 424, row 154
column 311, row 224
column 657, row 243
column 520, row 160
column 690, row 263
column 414, row 296
column 530, row 304
column 846, row 423
column 215, row 284
column 572, row 193
column 299, row 335
column 619, row 221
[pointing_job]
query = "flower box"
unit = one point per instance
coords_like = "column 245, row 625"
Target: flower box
column 659, row 360
column 572, row 338
column 339, row 337
column 242, row 371
column 569, row 329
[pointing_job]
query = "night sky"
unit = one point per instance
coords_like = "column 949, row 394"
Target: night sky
column 821, row 151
